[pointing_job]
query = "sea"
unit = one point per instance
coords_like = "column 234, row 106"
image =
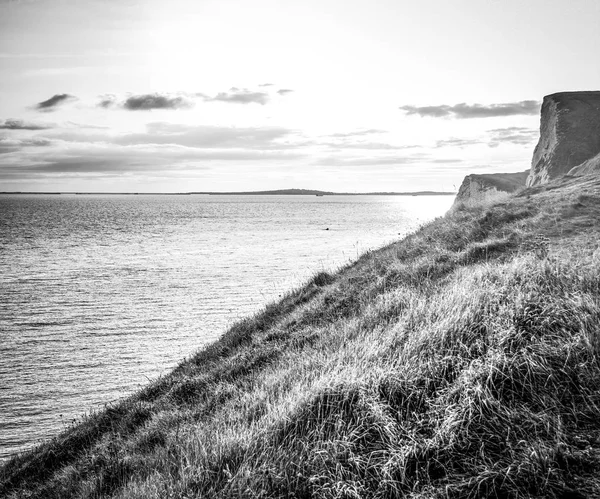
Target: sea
column 100, row 294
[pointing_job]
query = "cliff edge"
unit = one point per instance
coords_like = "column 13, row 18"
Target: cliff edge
column 478, row 187
column 569, row 134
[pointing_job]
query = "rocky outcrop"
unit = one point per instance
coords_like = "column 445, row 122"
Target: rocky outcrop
column 476, row 188
column 590, row 166
column 569, row 135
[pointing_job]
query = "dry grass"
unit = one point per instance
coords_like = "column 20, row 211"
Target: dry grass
column 460, row 362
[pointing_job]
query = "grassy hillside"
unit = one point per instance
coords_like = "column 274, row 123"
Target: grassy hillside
column 460, row 362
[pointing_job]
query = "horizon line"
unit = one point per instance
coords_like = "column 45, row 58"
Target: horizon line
column 288, row 192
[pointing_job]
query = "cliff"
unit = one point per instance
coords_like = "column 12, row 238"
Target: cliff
column 479, row 187
column 569, row 134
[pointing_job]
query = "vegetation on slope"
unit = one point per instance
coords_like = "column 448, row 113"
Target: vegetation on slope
column 460, row 362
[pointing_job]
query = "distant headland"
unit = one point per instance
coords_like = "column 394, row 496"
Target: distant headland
column 279, row 192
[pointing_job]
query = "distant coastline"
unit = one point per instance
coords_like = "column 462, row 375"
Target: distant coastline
column 280, row 192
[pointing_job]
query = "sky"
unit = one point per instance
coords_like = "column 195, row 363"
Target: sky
column 229, row 95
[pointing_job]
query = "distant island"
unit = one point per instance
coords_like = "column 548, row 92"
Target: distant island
column 279, row 192
column 311, row 192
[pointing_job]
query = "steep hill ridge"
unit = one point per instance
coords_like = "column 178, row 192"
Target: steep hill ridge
column 569, row 134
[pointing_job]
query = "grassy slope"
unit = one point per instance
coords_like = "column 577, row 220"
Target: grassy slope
column 462, row 361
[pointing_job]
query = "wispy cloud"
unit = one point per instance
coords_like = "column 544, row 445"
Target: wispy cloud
column 147, row 102
column 397, row 160
column 163, row 148
column 513, row 135
column 107, row 101
column 357, row 133
column 54, row 101
column 15, row 124
column 79, row 55
column 458, row 142
column 104, row 158
column 340, row 146
column 469, row 111
column 359, row 139
column 207, row 136
column 72, row 124
column 239, row 96
column 9, row 145
column 193, row 136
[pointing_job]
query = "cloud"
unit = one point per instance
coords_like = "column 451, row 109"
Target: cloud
column 147, row 102
column 207, row 136
column 193, row 136
column 513, row 135
column 458, row 142
column 107, row 101
column 417, row 158
column 13, row 145
column 522, row 136
column 54, row 101
column 358, row 139
column 14, row 124
column 140, row 160
column 102, row 158
column 239, row 96
column 357, row 133
column 466, row 111
column 72, row 124
column 366, row 145
column 265, row 138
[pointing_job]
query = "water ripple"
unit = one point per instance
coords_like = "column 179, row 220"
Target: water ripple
column 101, row 293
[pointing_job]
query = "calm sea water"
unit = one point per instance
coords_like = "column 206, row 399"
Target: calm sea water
column 99, row 294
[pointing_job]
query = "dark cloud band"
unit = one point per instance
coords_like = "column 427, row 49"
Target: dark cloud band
column 148, row 102
column 14, row 124
column 467, row 111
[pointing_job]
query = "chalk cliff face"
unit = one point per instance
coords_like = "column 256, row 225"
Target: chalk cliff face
column 478, row 187
column 569, row 135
